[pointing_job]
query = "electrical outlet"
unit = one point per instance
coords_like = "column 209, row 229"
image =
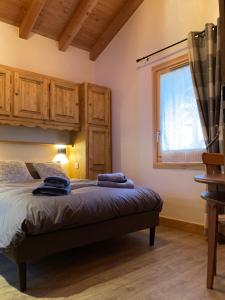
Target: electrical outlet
column 76, row 165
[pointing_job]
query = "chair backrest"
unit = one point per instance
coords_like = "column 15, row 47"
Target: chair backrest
column 213, row 162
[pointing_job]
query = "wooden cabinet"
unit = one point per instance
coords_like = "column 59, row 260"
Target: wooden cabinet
column 98, row 105
column 92, row 149
column 99, row 151
column 36, row 100
column 64, row 101
column 31, row 94
column 5, row 92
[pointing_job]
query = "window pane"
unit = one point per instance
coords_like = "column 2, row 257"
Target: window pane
column 179, row 118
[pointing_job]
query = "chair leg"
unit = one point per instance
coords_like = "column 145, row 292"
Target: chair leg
column 22, row 270
column 151, row 236
column 215, row 251
column 212, row 243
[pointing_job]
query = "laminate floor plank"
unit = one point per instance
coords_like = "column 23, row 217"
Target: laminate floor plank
column 125, row 268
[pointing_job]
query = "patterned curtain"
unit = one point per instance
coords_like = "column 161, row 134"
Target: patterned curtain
column 204, row 55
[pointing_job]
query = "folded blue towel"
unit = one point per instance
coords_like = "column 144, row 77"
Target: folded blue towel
column 50, row 190
column 124, row 185
column 114, row 177
column 57, row 181
column 56, row 185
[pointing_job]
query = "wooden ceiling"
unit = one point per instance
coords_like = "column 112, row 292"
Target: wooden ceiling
column 85, row 24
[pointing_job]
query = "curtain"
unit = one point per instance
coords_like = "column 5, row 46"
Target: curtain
column 204, row 55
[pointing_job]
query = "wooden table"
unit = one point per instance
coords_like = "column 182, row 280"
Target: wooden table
column 211, row 179
column 214, row 200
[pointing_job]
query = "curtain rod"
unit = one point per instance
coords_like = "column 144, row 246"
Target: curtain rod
column 151, row 54
column 147, row 56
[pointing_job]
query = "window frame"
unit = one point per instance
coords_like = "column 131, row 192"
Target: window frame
column 157, row 71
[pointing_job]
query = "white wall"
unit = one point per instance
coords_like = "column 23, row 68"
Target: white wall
column 41, row 55
column 154, row 25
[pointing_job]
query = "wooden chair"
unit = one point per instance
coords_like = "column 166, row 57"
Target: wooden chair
column 215, row 199
column 213, row 162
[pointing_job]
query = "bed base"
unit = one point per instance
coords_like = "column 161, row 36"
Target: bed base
column 34, row 247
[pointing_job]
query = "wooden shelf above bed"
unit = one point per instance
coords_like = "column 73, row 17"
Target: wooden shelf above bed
column 36, row 100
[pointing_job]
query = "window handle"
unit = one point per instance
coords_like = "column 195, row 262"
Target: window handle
column 158, row 136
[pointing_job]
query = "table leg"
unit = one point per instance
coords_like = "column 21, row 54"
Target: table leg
column 215, row 252
column 212, row 243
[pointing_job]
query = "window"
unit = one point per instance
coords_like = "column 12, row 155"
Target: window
column 178, row 137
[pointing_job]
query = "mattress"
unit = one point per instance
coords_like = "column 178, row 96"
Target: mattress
column 23, row 214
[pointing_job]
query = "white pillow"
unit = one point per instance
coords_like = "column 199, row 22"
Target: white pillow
column 14, row 171
column 49, row 169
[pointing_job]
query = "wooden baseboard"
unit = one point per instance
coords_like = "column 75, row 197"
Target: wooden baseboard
column 182, row 225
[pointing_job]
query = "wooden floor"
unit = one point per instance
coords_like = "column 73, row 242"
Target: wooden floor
column 125, row 268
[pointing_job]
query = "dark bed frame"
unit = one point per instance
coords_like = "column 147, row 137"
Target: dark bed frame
column 38, row 246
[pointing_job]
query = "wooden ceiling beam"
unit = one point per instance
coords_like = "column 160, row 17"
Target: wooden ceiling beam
column 117, row 23
column 81, row 13
column 30, row 18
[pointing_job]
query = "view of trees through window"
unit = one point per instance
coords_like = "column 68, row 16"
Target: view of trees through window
column 179, row 118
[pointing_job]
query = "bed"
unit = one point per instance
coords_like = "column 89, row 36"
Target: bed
column 36, row 226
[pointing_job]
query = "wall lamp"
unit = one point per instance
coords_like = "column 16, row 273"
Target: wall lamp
column 60, row 156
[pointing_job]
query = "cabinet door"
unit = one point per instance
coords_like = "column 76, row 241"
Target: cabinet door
column 31, row 94
column 5, row 92
column 64, row 102
column 98, row 105
column 99, row 151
